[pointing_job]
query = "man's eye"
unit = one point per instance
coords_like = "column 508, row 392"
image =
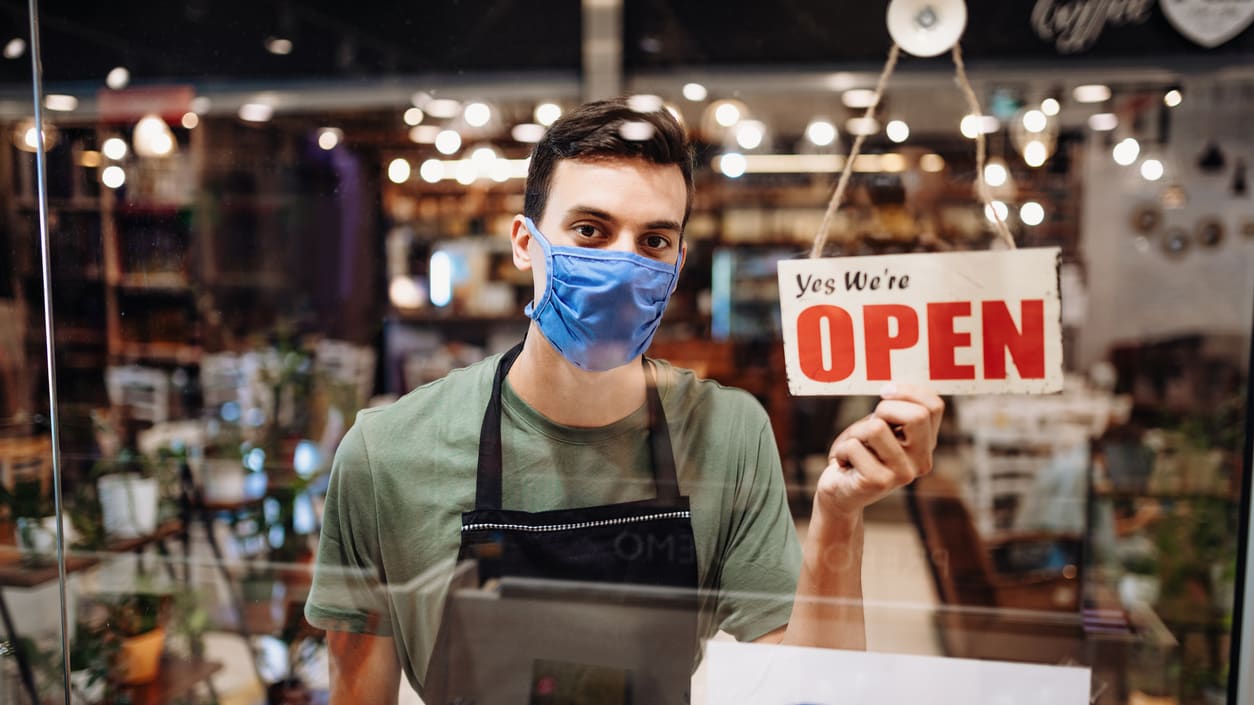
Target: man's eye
column 656, row 242
column 587, row 231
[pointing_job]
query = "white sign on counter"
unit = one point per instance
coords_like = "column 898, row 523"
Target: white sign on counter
column 767, row 674
column 958, row 323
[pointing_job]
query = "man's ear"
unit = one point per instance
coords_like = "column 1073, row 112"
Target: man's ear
column 520, row 241
column 683, row 257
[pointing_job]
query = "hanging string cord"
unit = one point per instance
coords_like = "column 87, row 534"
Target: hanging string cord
column 820, row 239
column 981, row 186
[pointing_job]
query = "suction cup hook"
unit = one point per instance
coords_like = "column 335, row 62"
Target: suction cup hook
column 926, row 27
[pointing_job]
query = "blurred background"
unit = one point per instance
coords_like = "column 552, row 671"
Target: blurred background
column 266, row 216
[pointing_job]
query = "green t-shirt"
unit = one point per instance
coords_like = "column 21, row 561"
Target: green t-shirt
column 404, row 474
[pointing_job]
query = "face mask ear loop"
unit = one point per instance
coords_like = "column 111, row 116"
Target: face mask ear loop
column 547, row 247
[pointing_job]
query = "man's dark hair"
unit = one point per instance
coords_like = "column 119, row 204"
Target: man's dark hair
column 595, row 131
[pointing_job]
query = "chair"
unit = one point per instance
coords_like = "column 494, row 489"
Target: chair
column 1028, row 616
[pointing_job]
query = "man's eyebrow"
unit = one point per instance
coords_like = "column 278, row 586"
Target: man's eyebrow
column 663, row 225
column 591, row 212
column 603, row 215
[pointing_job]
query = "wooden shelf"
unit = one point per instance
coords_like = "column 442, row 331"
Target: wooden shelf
column 177, row 353
column 154, row 281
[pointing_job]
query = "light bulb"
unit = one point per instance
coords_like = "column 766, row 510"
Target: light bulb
column 1035, row 121
column 1151, row 170
column 749, row 134
column 118, row 78
column 448, row 142
column 528, row 132
column 1173, row 98
column 1050, row 107
column 431, row 171
column 477, row 114
column 113, row 176
column 1032, row 213
column 1103, row 122
column 897, row 130
column 695, row 92
column 727, row 114
column 732, row 164
column 547, row 113
column 114, row 148
column 995, row 174
column 1035, row 153
column 413, row 116
column 398, row 171
column 1126, row 152
column 999, row 208
column 821, row 132
column 329, row 138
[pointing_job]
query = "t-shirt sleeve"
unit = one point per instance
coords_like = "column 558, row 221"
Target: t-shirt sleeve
column 762, row 559
column 347, row 593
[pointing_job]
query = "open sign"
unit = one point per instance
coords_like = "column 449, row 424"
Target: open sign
column 959, row 323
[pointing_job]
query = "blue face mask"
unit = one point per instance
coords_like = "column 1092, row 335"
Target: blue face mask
column 600, row 308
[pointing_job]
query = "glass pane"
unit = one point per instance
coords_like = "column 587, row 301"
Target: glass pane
column 295, row 242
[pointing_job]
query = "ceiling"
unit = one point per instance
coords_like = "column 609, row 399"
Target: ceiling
column 223, row 40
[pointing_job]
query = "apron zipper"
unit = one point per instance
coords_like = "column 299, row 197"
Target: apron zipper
column 578, row 525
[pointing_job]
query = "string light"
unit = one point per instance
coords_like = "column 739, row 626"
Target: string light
column 821, row 132
column 1050, row 107
column 1126, row 152
column 413, row 116
column 448, row 142
column 398, row 170
column 118, row 78
column 897, row 130
column 732, row 164
column 113, row 176
column 695, row 92
column 1032, row 213
column 547, row 113
column 1035, row 153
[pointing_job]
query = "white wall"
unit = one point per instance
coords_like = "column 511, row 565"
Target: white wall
column 1138, row 293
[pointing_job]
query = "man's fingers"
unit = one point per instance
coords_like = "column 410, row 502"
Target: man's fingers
column 865, row 474
column 914, row 419
column 876, row 434
column 903, row 391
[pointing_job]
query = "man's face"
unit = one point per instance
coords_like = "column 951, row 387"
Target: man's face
column 631, row 205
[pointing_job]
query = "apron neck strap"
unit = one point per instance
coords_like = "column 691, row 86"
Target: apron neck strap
column 488, row 477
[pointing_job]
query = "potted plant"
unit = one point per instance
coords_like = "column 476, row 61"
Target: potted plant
column 91, row 652
column 134, row 490
column 34, row 521
column 137, row 621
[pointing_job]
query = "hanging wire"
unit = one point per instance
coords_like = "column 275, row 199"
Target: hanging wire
column 820, row 239
column 981, row 150
column 981, row 147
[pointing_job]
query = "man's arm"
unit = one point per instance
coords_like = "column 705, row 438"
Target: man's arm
column 873, row 457
column 364, row 669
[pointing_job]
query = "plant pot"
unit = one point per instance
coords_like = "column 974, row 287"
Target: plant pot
column 1135, row 588
column 128, row 505
column 35, row 541
column 229, row 482
column 139, row 660
column 83, row 690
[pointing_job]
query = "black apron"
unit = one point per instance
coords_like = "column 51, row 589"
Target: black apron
column 645, row 543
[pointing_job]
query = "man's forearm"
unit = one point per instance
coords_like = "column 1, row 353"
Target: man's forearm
column 827, row 611
column 364, row 669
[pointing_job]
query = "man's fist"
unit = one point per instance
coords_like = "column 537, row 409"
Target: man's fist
column 882, row 452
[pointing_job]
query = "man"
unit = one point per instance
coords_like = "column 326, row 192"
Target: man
column 570, row 442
